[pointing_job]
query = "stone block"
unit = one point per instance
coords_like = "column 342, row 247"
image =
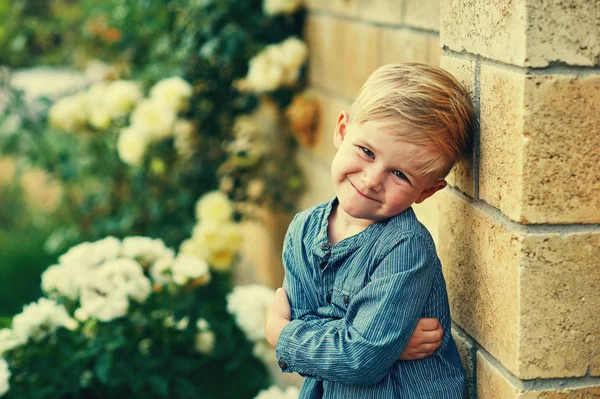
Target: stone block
column 424, row 14
column 529, row 298
column 540, row 145
column 428, row 213
column 467, row 349
column 319, row 187
column 495, row 30
column 360, row 58
column 524, row 32
column 463, row 69
column 338, row 7
column 402, row 45
column 491, row 383
column 261, row 250
column 325, row 37
column 562, row 31
column 330, row 107
column 495, row 383
column 382, row 11
column 435, row 50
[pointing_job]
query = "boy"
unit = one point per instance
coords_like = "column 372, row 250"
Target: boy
column 360, row 270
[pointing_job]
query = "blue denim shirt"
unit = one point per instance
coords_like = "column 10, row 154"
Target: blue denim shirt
column 355, row 305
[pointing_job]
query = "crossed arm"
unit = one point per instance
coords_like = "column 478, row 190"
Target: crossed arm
column 379, row 327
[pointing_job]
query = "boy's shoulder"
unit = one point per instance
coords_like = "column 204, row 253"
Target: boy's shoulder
column 405, row 228
column 311, row 216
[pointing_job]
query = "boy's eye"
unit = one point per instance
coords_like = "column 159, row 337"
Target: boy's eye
column 400, row 175
column 367, row 152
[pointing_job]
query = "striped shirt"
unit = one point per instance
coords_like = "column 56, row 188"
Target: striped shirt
column 355, row 305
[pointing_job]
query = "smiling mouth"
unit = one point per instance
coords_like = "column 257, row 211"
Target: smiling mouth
column 360, row 193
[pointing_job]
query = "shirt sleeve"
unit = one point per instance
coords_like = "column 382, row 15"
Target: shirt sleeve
column 296, row 280
column 361, row 348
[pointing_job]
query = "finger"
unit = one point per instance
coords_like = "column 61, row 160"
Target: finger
column 430, row 337
column 428, row 348
column 421, row 355
column 428, row 324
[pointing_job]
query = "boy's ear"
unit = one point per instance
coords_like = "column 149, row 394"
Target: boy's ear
column 429, row 191
column 339, row 133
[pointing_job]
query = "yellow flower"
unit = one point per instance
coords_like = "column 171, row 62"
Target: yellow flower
column 69, row 113
column 155, row 118
column 214, row 207
column 221, row 260
column 173, row 92
column 132, row 145
column 121, row 96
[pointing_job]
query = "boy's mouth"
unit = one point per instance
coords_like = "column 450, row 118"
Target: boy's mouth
column 360, row 193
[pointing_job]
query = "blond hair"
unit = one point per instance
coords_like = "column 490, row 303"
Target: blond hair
column 423, row 105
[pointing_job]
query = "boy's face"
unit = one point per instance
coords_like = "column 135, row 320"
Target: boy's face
column 374, row 173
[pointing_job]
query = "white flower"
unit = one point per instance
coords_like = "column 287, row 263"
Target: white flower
column 293, row 53
column 173, row 92
column 155, row 118
column 277, row 65
column 202, row 324
column 131, row 145
column 264, row 74
column 62, row 281
column 121, row 96
column 183, row 323
column 248, row 304
column 187, row 268
column 214, row 207
column 105, row 295
column 66, row 278
column 4, row 377
column 81, row 314
column 146, row 250
column 161, row 270
column 69, row 113
column 92, row 254
column 275, row 392
column 40, row 319
column 273, row 7
column 205, row 342
column 9, row 340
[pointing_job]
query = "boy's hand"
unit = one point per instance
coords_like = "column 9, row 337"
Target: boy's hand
column 426, row 338
column 278, row 316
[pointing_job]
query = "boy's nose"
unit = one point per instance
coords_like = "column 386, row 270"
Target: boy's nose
column 372, row 178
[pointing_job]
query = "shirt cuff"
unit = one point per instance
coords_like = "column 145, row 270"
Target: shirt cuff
column 286, row 349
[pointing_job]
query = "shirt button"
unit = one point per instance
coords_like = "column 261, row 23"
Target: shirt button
column 327, row 255
column 346, row 299
column 282, row 365
column 323, row 264
column 328, row 298
column 325, row 246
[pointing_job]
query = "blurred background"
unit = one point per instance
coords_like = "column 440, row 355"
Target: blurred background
column 153, row 153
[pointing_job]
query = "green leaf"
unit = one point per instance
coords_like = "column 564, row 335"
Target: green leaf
column 102, row 367
column 159, row 385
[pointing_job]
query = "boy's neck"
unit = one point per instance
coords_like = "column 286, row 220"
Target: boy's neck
column 341, row 225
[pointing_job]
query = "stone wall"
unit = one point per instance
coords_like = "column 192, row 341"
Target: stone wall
column 518, row 228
